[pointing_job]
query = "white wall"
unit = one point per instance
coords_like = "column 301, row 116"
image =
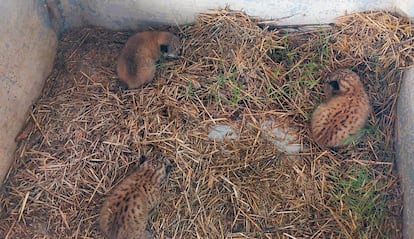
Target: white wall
column 27, row 50
column 405, row 7
column 131, row 14
column 405, row 149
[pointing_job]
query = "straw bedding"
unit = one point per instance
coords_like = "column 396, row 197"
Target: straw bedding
column 85, row 133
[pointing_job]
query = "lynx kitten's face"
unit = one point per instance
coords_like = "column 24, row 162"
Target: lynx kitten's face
column 344, row 112
column 124, row 214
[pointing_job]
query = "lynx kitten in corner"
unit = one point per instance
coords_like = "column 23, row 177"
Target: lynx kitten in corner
column 136, row 64
column 344, row 112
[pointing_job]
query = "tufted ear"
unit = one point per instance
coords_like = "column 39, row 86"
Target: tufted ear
column 142, row 159
column 164, row 48
column 334, row 84
column 168, row 168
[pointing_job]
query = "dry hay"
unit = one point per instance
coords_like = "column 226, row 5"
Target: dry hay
column 85, row 134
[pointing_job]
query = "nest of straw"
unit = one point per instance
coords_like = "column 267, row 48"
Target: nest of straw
column 85, row 134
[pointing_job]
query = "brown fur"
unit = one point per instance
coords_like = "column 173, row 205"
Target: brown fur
column 136, row 63
column 344, row 112
column 124, row 213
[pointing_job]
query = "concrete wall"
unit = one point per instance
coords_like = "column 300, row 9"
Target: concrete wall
column 405, row 7
column 27, row 50
column 405, row 149
column 131, row 14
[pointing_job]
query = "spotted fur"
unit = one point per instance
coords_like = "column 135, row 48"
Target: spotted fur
column 344, row 112
column 124, row 213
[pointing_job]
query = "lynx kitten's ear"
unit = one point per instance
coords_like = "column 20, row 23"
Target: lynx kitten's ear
column 334, row 85
column 344, row 112
column 142, row 159
column 168, row 169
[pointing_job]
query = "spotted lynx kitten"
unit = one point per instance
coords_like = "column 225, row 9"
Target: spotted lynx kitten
column 124, row 213
column 344, row 112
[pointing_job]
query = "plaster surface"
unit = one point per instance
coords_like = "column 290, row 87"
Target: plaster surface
column 27, row 50
column 133, row 14
column 405, row 149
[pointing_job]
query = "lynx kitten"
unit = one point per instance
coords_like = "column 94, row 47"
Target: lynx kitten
column 136, row 64
column 344, row 112
column 124, row 213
